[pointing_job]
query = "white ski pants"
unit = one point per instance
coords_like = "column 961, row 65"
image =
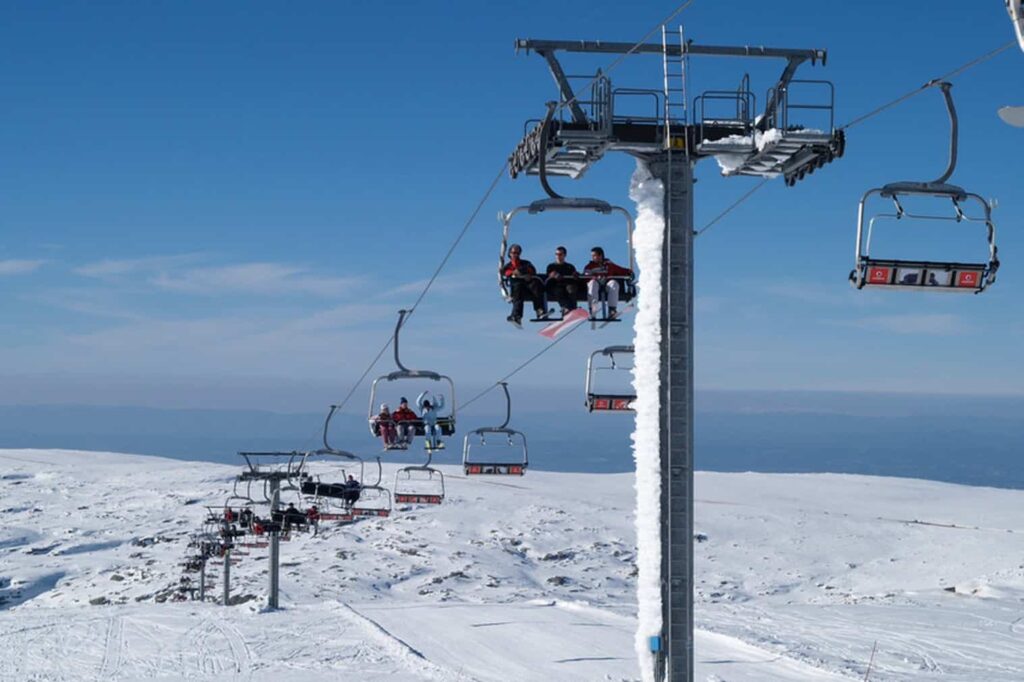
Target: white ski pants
column 594, row 293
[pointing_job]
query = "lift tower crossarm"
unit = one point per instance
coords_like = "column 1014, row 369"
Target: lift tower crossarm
column 600, row 46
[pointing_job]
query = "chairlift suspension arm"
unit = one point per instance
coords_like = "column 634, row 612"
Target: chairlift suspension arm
column 398, row 327
column 508, row 406
column 954, row 130
column 327, row 424
column 545, row 136
column 779, row 92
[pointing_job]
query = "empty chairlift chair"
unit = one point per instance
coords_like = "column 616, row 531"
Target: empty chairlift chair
column 927, row 275
column 509, row 458
column 419, row 484
column 603, row 393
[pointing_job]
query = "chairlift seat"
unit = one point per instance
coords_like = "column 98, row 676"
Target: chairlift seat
column 446, row 425
column 500, row 469
column 627, row 291
column 970, row 278
column 332, row 516
column 610, row 403
column 366, row 511
column 416, row 498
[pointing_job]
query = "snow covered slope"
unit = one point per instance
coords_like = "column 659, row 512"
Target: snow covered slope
column 524, row 579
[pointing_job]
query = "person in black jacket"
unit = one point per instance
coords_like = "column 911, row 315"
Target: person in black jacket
column 353, row 490
column 293, row 517
column 524, row 284
column 562, row 283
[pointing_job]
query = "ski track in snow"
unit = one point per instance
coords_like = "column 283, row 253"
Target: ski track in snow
column 797, row 576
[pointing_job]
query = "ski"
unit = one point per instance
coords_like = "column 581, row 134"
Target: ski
column 571, row 319
column 618, row 316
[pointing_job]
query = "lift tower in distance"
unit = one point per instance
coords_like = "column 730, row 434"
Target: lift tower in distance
column 671, row 138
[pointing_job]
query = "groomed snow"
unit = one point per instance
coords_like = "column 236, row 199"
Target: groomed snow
column 525, row 579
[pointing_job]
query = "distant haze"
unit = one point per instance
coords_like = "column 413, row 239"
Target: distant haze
column 976, row 440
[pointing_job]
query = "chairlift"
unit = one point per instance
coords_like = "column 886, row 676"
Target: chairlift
column 627, row 284
column 326, row 490
column 927, row 275
column 445, row 423
column 373, row 500
column 516, row 459
column 608, row 361
column 419, row 484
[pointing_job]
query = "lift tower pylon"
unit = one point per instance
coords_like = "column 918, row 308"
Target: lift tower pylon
column 585, row 130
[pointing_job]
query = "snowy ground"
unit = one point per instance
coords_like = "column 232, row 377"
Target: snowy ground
column 798, row 576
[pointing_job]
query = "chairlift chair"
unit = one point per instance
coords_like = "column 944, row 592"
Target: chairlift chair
column 326, row 489
column 514, row 463
column 926, row 275
column 599, row 399
column 374, row 499
column 445, row 423
column 419, row 484
column 627, row 285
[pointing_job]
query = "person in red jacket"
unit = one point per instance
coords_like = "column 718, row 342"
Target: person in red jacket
column 524, row 284
column 601, row 272
column 405, row 421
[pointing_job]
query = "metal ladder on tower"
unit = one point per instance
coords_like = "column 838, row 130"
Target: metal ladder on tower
column 674, row 67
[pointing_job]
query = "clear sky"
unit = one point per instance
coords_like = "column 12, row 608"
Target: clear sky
column 224, row 204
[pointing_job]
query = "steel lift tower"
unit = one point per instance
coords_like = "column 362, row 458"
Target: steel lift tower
column 671, row 138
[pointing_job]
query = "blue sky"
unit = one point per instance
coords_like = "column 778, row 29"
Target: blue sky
column 224, row 206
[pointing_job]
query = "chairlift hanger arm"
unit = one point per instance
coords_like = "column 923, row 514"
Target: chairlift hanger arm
column 398, row 327
column 773, row 101
column 954, row 131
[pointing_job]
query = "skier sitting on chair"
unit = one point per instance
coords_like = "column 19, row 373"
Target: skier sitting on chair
column 523, row 284
column 293, row 517
column 562, row 281
column 601, row 272
column 405, row 422
column 385, row 423
column 353, row 489
column 429, row 412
